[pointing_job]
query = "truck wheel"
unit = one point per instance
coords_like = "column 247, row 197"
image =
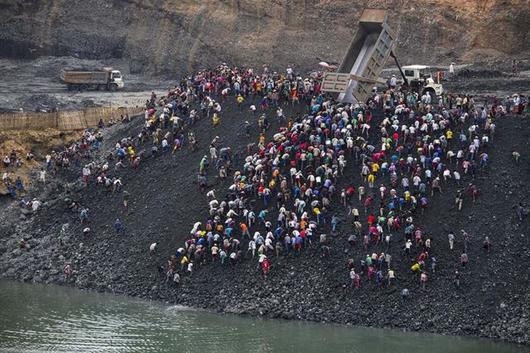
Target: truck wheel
column 113, row 88
column 69, row 86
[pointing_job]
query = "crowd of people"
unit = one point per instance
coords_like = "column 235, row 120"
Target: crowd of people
column 286, row 193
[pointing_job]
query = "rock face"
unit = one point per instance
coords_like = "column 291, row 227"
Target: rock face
column 174, row 36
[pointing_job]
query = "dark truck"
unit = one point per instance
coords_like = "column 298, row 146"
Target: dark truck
column 106, row 79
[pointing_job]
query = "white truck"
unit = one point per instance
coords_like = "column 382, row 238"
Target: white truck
column 106, row 79
column 420, row 79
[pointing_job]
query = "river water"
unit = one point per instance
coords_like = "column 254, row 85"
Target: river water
column 38, row 318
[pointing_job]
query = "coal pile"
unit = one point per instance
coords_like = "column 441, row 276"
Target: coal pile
column 39, row 103
column 165, row 201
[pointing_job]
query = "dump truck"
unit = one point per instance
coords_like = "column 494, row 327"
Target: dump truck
column 369, row 50
column 361, row 66
column 106, row 79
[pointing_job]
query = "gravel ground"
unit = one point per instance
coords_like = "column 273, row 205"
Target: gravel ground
column 34, row 85
column 493, row 300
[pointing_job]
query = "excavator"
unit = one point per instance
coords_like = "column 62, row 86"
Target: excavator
column 369, row 50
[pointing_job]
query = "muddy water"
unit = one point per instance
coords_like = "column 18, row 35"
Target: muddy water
column 36, row 318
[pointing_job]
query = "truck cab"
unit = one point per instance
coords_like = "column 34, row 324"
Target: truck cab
column 115, row 76
column 420, row 79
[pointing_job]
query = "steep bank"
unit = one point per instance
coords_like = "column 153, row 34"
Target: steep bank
column 178, row 36
column 164, row 203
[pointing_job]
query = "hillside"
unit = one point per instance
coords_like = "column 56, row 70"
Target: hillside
column 165, row 202
column 177, row 36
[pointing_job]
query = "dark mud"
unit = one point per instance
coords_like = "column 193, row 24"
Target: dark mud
column 493, row 300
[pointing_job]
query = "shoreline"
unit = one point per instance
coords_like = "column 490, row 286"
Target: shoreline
column 184, row 308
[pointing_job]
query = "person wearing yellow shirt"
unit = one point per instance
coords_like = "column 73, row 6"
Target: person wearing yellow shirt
column 317, row 213
column 184, row 262
column 375, row 168
column 449, row 134
column 371, row 180
column 130, row 151
column 239, row 100
column 216, row 119
column 261, row 139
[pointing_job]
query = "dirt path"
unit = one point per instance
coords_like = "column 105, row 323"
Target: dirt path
column 35, row 86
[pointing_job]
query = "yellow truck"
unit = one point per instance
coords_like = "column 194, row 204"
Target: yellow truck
column 106, row 79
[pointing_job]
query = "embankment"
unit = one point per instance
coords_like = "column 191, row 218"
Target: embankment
column 493, row 300
column 63, row 120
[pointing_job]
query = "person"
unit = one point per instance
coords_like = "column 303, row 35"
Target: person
column 464, row 259
column 83, row 215
column 433, row 264
column 118, row 226
column 265, row 265
column 459, row 199
column 7, row 162
column 203, row 165
column 19, row 185
column 176, row 278
column 466, row 238
column 408, row 245
column 392, row 82
column 239, row 100
column 248, row 129
column 516, row 156
column 423, row 279
column 457, row 279
column 520, row 211
column 352, row 276
column 391, row 277
column 252, row 247
column 451, row 238
column 68, row 270
column 216, row 119
column 42, row 176
column 486, row 244
column 125, row 201
column 152, row 248
column 334, row 222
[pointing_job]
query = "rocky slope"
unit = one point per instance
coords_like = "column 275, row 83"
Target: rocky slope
column 178, row 35
column 492, row 301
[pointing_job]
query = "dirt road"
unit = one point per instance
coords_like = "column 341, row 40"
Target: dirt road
column 35, row 86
